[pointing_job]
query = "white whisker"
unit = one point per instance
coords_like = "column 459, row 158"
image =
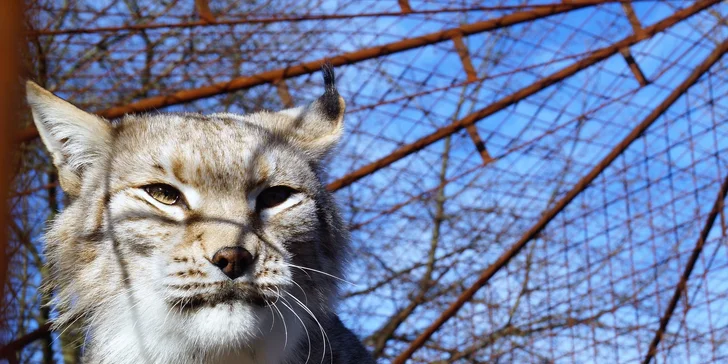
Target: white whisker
column 320, row 272
column 324, row 336
column 305, row 328
column 283, row 319
column 305, row 297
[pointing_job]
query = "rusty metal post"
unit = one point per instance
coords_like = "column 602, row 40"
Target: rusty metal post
column 11, row 16
column 11, row 28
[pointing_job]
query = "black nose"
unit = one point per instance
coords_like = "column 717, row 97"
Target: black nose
column 233, row 261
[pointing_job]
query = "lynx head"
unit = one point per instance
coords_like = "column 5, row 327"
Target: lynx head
column 196, row 229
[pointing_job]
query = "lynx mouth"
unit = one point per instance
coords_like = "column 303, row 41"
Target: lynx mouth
column 227, row 295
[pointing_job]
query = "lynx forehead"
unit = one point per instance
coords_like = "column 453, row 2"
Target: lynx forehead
column 198, row 238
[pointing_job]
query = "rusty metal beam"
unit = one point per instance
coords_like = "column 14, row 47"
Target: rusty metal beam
column 203, row 10
column 632, row 17
column 548, row 215
column 464, row 55
column 472, row 76
column 591, row 59
column 245, row 82
column 626, row 52
column 634, row 67
column 12, row 347
column 682, row 284
column 405, row 6
column 479, row 144
column 284, row 94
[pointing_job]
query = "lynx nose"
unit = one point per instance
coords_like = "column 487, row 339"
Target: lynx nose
column 233, row 261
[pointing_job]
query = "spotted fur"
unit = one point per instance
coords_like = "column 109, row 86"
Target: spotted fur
column 138, row 273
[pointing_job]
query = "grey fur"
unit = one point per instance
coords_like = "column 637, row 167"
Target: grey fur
column 136, row 272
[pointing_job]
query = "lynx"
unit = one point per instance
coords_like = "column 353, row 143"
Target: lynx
column 198, row 238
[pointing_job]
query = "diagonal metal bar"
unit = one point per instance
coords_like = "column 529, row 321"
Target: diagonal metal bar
column 11, row 348
column 633, row 20
column 405, row 6
column 682, row 284
column 479, row 144
column 464, row 54
column 591, row 59
column 203, row 10
column 245, row 82
column 548, row 215
column 472, row 76
column 634, row 67
column 284, row 94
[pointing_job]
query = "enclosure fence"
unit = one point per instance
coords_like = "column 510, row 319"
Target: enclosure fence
column 525, row 181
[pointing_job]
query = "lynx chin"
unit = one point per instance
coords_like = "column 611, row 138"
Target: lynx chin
column 198, row 238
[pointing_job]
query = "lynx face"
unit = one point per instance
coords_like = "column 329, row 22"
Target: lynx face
column 189, row 236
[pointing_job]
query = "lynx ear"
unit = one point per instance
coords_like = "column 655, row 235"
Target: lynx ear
column 74, row 137
column 317, row 128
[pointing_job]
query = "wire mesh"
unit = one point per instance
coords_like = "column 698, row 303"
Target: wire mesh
column 466, row 124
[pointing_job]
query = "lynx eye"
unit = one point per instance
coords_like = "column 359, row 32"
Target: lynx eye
column 273, row 196
column 165, row 194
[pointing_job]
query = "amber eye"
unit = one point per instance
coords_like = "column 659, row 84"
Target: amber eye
column 165, row 194
column 273, row 196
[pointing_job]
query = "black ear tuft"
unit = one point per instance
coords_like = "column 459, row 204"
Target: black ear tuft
column 317, row 127
column 329, row 78
column 330, row 99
